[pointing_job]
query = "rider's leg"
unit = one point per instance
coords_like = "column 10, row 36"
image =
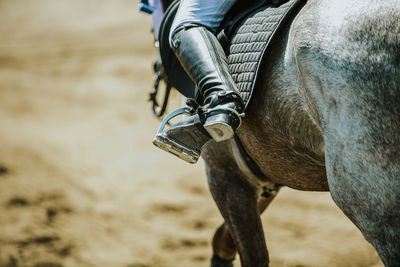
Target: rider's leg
column 193, row 41
column 208, row 13
column 204, row 60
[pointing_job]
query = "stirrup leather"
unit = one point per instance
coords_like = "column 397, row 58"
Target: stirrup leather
column 172, row 146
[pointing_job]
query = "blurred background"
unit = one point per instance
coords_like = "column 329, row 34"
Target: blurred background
column 80, row 182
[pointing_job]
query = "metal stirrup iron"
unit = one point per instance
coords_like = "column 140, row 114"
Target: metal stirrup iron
column 172, row 146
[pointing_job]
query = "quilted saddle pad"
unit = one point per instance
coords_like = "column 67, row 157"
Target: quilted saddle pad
column 251, row 39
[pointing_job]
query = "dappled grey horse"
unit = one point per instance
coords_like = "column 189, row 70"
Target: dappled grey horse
column 327, row 118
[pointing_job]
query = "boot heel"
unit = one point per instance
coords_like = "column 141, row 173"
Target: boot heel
column 222, row 126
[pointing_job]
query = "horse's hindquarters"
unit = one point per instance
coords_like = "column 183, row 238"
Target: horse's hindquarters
column 348, row 53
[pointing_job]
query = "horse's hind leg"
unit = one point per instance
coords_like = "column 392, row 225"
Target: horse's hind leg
column 224, row 248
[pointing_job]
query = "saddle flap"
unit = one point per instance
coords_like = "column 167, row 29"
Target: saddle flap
column 176, row 75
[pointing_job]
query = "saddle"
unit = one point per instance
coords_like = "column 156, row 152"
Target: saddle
column 245, row 34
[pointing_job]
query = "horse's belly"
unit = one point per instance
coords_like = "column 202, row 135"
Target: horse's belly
column 284, row 163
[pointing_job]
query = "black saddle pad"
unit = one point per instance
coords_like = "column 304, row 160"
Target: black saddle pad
column 251, row 38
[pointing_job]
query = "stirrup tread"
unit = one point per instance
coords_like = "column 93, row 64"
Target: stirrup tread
column 176, row 148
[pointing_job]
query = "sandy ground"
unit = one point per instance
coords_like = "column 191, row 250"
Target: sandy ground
column 81, row 183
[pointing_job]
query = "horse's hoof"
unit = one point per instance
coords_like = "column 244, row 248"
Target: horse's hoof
column 216, row 261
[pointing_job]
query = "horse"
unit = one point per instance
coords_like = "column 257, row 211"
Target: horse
column 325, row 116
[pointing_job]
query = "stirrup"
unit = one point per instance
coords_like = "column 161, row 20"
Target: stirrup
column 172, row 146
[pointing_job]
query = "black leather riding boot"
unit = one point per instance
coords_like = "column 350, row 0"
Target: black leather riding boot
column 204, row 60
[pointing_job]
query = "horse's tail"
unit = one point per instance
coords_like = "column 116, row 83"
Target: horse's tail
column 349, row 59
